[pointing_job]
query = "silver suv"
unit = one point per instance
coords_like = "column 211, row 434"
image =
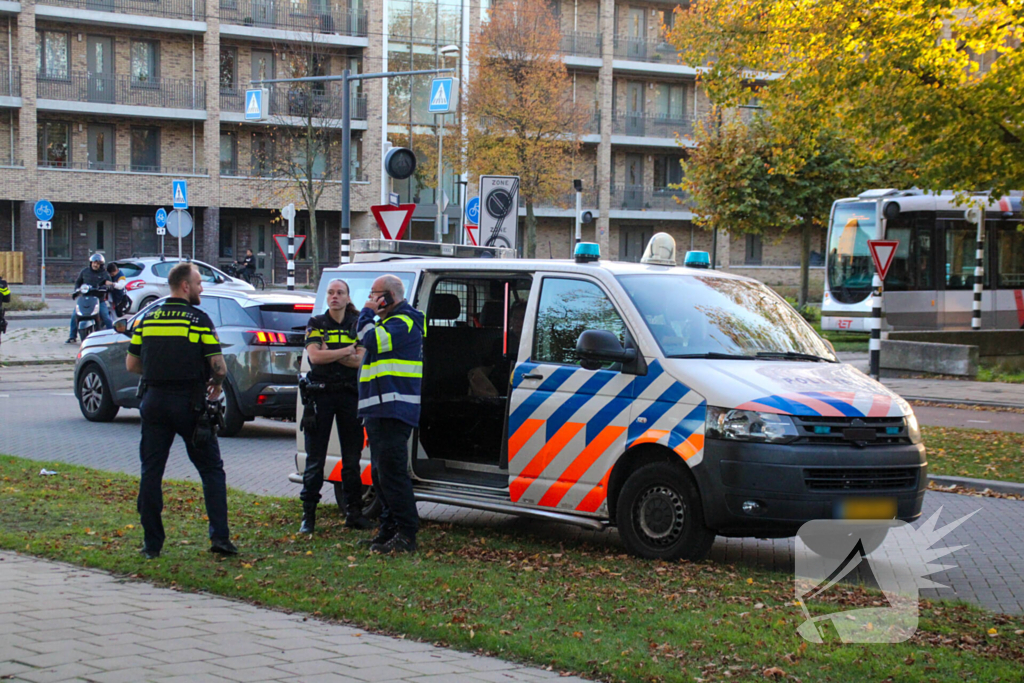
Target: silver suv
column 262, row 337
column 147, row 279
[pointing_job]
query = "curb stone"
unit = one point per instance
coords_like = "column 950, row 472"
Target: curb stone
column 1010, row 487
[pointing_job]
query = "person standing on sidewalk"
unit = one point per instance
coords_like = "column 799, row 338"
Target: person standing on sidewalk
column 334, row 360
column 392, row 332
column 176, row 350
column 5, row 298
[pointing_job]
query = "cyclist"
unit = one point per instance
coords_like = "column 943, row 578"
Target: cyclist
column 248, row 266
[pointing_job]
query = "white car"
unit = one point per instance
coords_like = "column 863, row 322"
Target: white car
column 147, row 279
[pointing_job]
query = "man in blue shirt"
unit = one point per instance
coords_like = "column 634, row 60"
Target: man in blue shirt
column 392, row 333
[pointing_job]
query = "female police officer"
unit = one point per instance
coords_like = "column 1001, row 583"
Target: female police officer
column 334, row 359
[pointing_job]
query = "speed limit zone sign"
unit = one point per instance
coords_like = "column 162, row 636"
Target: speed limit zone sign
column 499, row 210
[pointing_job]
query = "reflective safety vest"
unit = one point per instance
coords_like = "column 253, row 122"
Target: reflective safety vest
column 392, row 370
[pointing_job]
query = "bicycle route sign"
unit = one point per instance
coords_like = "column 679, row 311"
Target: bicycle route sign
column 499, row 210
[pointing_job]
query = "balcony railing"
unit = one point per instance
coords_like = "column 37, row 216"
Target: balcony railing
column 650, row 125
column 298, row 102
column 270, row 172
column 174, row 9
column 579, row 44
column 314, row 17
column 645, row 198
column 640, row 50
column 118, row 168
column 167, row 93
column 567, row 200
column 10, row 82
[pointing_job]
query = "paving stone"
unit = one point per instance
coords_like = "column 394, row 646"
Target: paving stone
column 62, row 672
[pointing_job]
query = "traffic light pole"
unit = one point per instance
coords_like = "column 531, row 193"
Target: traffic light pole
column 346, row 78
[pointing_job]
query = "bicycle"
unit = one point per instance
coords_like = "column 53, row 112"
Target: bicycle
column 254, row 279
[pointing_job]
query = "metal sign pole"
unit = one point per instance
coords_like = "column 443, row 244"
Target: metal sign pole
column 346, row 166
column 439, row 122
column 42, row 270
column 178, row 211
column 291, row 252
column 875, row 344
column 579, row 207
column 979, row 271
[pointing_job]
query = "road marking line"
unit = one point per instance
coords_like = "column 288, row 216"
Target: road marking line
column 70, row 394
column 984, row 422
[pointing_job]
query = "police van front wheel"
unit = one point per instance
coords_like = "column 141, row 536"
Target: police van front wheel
column 660, row 517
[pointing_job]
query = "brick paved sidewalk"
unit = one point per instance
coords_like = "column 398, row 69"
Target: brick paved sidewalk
column 64, row 623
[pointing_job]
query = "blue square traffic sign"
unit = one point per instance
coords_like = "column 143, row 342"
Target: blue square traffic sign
column 179, row 194
column 254, row 101
column 440, row 96
column 44, row 210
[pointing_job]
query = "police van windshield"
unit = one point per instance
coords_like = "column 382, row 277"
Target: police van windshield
column 706, row 317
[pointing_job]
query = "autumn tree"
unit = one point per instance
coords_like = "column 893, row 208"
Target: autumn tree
column 737, row 181
column 936, row 84
column 299, row 156
column 521, row 117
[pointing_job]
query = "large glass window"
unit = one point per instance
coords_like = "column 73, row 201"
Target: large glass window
column 52, row 54
column 227, row 238
column 144, row 239
column 670, row 101
column 961, row 256
column 228, row 153
column 567, row 309
column 262, row 155
column 849, row 261
column 145, row 63
column 54, row 141
column 911, row 267
column 58, row 238
column 228, row 68
column 1011, row 257
column 668, row 170
column 145, row 149
column 692, row 316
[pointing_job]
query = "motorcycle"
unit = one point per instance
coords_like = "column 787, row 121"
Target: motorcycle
column 87, row 308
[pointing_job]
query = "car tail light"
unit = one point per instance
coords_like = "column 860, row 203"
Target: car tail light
column 303, row 307
column 261, row 399
column 268, row 338
column 135, row 284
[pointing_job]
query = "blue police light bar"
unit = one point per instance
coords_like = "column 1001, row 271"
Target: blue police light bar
column 587, row 252
column 697, row 259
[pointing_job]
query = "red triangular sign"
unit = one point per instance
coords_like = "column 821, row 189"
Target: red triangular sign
column 393, row 220
column 282, row 244
column 882, row 253
column 473, row 231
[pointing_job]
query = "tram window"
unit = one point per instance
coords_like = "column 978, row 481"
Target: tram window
column 901, row 275
column 961, row 243
column 1011, row 258
column 911, row 268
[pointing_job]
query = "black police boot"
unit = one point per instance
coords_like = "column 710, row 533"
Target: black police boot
column 398, row 543
column 222, row 546
column 382, row 537
column 308, row 519
column 355, row 519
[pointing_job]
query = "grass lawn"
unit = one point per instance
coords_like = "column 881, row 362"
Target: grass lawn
column 18, row 304
column 989, row 374
column 975, row 453
column 572, row 607
column 845, row 341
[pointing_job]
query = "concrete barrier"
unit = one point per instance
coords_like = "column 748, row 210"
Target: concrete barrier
column 939, row 359
column 995, row 347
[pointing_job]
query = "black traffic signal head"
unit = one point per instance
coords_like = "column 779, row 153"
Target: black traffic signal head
column 400, row 163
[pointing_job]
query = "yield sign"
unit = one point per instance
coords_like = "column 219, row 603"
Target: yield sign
column 282, row 244
column 882, row 252
column 473, row 232
column 393, row 220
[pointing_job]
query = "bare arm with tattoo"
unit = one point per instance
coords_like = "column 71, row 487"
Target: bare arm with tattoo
column 218, row 371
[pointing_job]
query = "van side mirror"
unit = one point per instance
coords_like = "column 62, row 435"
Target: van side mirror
column 121, row 327
column 597, row 347
column 218, row 279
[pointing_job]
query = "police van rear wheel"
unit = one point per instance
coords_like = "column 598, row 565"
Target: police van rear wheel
column 371, row 502
column 660, row 517
column 94, row 399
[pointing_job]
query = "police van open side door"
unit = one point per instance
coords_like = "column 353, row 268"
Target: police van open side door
column 567, row 425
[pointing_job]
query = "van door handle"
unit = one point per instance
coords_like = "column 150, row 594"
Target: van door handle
column 530, row 376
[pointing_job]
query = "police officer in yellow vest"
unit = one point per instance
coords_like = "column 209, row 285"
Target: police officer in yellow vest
column 5, row 297
column 334, row 358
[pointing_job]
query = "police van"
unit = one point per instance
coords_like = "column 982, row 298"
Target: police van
column 673, row 403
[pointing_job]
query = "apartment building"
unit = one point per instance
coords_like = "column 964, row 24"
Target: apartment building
column 106, row 101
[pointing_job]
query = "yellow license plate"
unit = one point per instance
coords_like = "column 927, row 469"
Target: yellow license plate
column 865, row 508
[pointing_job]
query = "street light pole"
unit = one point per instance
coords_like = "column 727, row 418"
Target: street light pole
column 438, row 236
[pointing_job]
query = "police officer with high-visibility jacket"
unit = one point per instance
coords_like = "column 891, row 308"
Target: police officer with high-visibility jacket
column 5, row 297
column 176, row 350
column 392, row 332
column 331, row 396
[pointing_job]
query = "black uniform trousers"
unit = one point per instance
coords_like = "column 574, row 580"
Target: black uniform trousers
column 341, row 408
column 389, row 449
column 166, row 412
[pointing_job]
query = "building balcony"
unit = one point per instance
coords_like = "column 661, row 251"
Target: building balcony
column 314, row 20
column 580, row 44
column 10, row 87
column 164, row 15
column 649, row 129
column 101, row 167
column 294, row 107
column 269, row 172
column 121, row 95
column 648, row 56
column 645, row 198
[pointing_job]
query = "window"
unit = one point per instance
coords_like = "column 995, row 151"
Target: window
column 58, row 238
column 145, row 67
column 54, row 144
column 961, row 245
column 670, row 101
column 567, row 309
column 144, row 239
column 911, row 267
column 227, row 238
column 228, row 153
column 668, row 170
column 666, row 18
column 752, row 250
column 145, row 150
column 52, row 54
column 1011, row 257
column 356, row 159
column 211, row 306
column 302, row 228
column 228, row 68
column 262, row 155
column 129, row 269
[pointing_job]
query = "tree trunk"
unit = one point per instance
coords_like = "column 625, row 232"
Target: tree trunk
column 805, row 262
column 314, row 247
column 530, row 243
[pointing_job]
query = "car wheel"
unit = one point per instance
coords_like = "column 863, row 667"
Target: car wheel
column 234, row 420
column 371, row 501
column 94, row 396
column 145, row 302
column 660, row 517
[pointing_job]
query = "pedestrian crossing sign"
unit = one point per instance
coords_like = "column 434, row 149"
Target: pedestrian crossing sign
column 255, row 103
column 179, row 194
column 441, row 96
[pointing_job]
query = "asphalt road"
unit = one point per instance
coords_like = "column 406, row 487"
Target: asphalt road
column 40, row 419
